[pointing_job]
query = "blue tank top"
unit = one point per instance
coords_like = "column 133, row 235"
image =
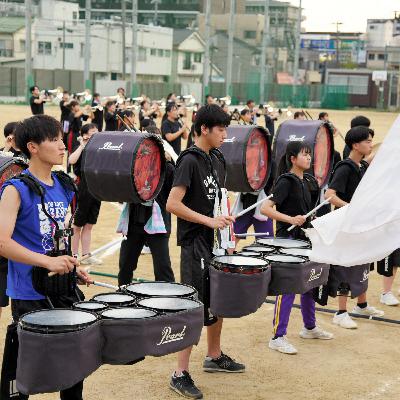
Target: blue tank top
column 34, row 230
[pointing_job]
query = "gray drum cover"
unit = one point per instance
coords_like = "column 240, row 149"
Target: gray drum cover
column 235, row 295
column 127, row 340
column 53, row 362
column 356, row 277
column 296, row 278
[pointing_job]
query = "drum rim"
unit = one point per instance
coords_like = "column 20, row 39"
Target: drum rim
column 124, row 308
column 115, row 293
column 304, row 259
column 89, row 301
column 306, row 244
column 259, row 245
column 163, row 310
column 141, row 295
column 261, row 258
column 26, row 326
column 282, row 249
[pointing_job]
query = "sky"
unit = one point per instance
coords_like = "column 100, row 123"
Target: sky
column 321, row 14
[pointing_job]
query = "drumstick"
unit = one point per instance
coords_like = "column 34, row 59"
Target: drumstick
column 102, row 284
column 99, row 250
column 313, row 211
column 251, row 234
column 253, row 206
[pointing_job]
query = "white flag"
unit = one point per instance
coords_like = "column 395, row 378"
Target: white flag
column 367, row 229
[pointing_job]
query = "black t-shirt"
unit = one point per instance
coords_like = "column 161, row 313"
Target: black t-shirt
column 75, row 123
column 65, row 111
column 270, row 124
column 291, row 197
column 36, row 108
column 194, row 172
column 98, row 117
column 172, row 127
column 346, row 178
column 111, row 122
column 150, row 118
column 77, row 166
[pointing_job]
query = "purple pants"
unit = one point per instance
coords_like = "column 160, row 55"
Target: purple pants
column 244, row 222
column 283, row 307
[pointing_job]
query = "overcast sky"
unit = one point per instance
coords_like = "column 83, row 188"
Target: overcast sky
column 320, row 14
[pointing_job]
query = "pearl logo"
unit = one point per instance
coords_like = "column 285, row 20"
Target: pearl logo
column 294, row 138
column 110, row 146
column 314, row 276
column 167, row 336
column 365, row 276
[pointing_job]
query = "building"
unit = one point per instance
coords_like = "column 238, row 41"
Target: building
column 12, row 39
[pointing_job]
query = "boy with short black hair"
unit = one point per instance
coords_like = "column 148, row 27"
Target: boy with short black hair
column 10, row 145
column 199, row 176
column 36, row 101
column 345, row 179
column 26, row 233
column 360, row 120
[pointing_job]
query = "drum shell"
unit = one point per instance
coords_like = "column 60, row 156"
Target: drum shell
column 109, row 173
column 68, row 358
column 14, row 165
column 236, row 295
column 356, row 277
column 234, row 151
column 296, row 278
column 306, row 132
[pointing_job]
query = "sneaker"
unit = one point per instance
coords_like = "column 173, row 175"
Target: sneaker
column 95, row 261
column 184, row 386
column 145, row 250
column 222, row 364
column 344, row 321
column 369, row 311
column 316, row 333
column 389, row 299
column 282, row 345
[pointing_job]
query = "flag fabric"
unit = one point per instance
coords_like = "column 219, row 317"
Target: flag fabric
column 367, row 229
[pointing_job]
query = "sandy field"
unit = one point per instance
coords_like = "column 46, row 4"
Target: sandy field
column 357, row 365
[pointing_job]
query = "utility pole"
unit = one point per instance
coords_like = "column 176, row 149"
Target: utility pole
column 28, row 47
column 63, row 53
column 297, row 48
column 337, row 42
column 230, row 48
column 206, row 64
column 134, row 49
column 156, row 3
column 264, row 45
column 86, row 71
column 123, row 18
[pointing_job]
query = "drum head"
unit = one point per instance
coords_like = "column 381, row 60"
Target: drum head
column 246, row 253
column 147, row 168
column 57, row 320
column 168, row 304
column 257, row 159
column 240, row 261
column 283, row 258
column 91, row 305
column 9, row 168
column 127, row 313
column 117, row 299
column 284, row 243
column 165, row 289
column 296, row 252
column 260, row 249
column 322, row 155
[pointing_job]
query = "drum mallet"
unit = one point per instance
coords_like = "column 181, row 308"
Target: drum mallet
column 312, row 211
column 252, row 207
column 251, row 234
column 99, row 250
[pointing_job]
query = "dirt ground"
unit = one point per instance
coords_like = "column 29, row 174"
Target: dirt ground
column 357, row 365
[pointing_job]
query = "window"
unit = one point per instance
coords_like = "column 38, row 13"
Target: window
column 357, row 84
column 22, row 45
column 197, row 57
column 381, row 57
column 187, row 63
column 250, row 34
column 82, row 50
column 160, row 52
column 142, row 54
column 6, row 48
column 114, row 76
column 44, row 48
column 74, row 15
column 372, row 27
column 167, row 53
column 66, row 45
column 153, row 52
column 371, row 56
column 223, row 31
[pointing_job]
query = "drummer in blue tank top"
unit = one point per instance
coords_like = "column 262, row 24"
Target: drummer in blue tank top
column 26, row 233
column 292, row 201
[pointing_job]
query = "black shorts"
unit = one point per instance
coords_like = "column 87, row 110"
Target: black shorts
column 4, row 301
column 385, row 266
column 88, row 207
column 193, row 274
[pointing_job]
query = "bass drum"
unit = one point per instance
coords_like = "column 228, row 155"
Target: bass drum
column 10, row 167
column 318, row 135
column 247, row 153
column 124, row 166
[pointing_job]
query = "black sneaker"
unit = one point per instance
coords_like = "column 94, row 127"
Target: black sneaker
column 185, row 386
column 222, row 364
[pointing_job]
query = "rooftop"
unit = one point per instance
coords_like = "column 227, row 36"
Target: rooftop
column 11, row 24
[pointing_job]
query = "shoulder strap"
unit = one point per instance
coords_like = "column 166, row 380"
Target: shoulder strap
column 347, row 162
column 66, row 181
column 32, row 183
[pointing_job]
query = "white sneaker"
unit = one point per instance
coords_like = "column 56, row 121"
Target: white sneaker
column 145, row 250
column 316, row 333
column 91, row 261
column 369, row 311
column 282, row 345
column 389, row 299
column 344, row 321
